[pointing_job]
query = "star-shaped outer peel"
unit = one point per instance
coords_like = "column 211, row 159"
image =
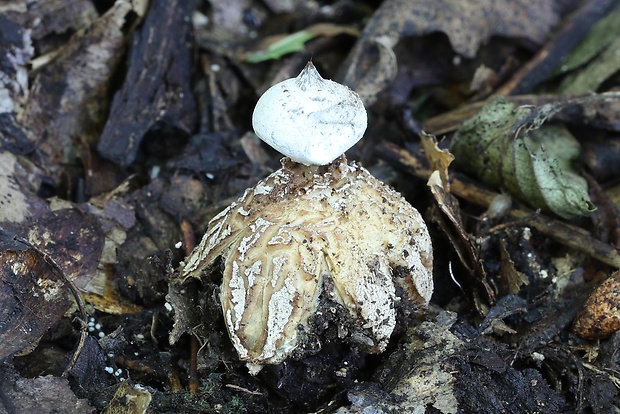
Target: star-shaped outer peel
column 300, row 225
column 265, row 297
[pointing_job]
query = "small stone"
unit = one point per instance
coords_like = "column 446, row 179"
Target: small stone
column 600, row 316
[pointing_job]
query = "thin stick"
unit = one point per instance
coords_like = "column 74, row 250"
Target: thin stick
column 564, row 233
column 189, row 242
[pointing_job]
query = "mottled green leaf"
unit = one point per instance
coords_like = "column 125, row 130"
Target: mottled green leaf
column 511, row 148
column 524, row 161
column 564, row 191
column 486, row 131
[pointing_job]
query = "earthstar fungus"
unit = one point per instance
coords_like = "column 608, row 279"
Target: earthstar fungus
column 315, row 227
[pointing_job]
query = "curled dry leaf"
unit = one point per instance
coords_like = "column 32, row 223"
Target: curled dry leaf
column 34, row 295
column 309, row 231
column 468, row 24
column 600, row 315
column 438, row 159
column 447, row 214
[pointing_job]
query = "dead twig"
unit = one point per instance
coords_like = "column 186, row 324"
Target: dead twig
column 452, row 120
column 614, row 379
column 238, row 388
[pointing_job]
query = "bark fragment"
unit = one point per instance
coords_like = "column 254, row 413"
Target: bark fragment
column 157, row 92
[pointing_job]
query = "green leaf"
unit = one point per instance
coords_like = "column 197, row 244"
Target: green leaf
column 595, row 59
column 588, row 79
column 603, row 33
column 480, row 140
column 274, row 47
column 292, row 43
column 511, row 148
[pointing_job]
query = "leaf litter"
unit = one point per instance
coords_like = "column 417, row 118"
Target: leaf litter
column 111, row 162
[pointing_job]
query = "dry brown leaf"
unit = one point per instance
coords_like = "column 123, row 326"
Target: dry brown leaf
column 19, row 182
column 448, row 215
column 511, row 278
column 34, row 295
column 116, row 217
column 129, row 399
column 45, row 18
column 468, row 24
column 110, row 300
column 438, row 159
column 73, row 239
